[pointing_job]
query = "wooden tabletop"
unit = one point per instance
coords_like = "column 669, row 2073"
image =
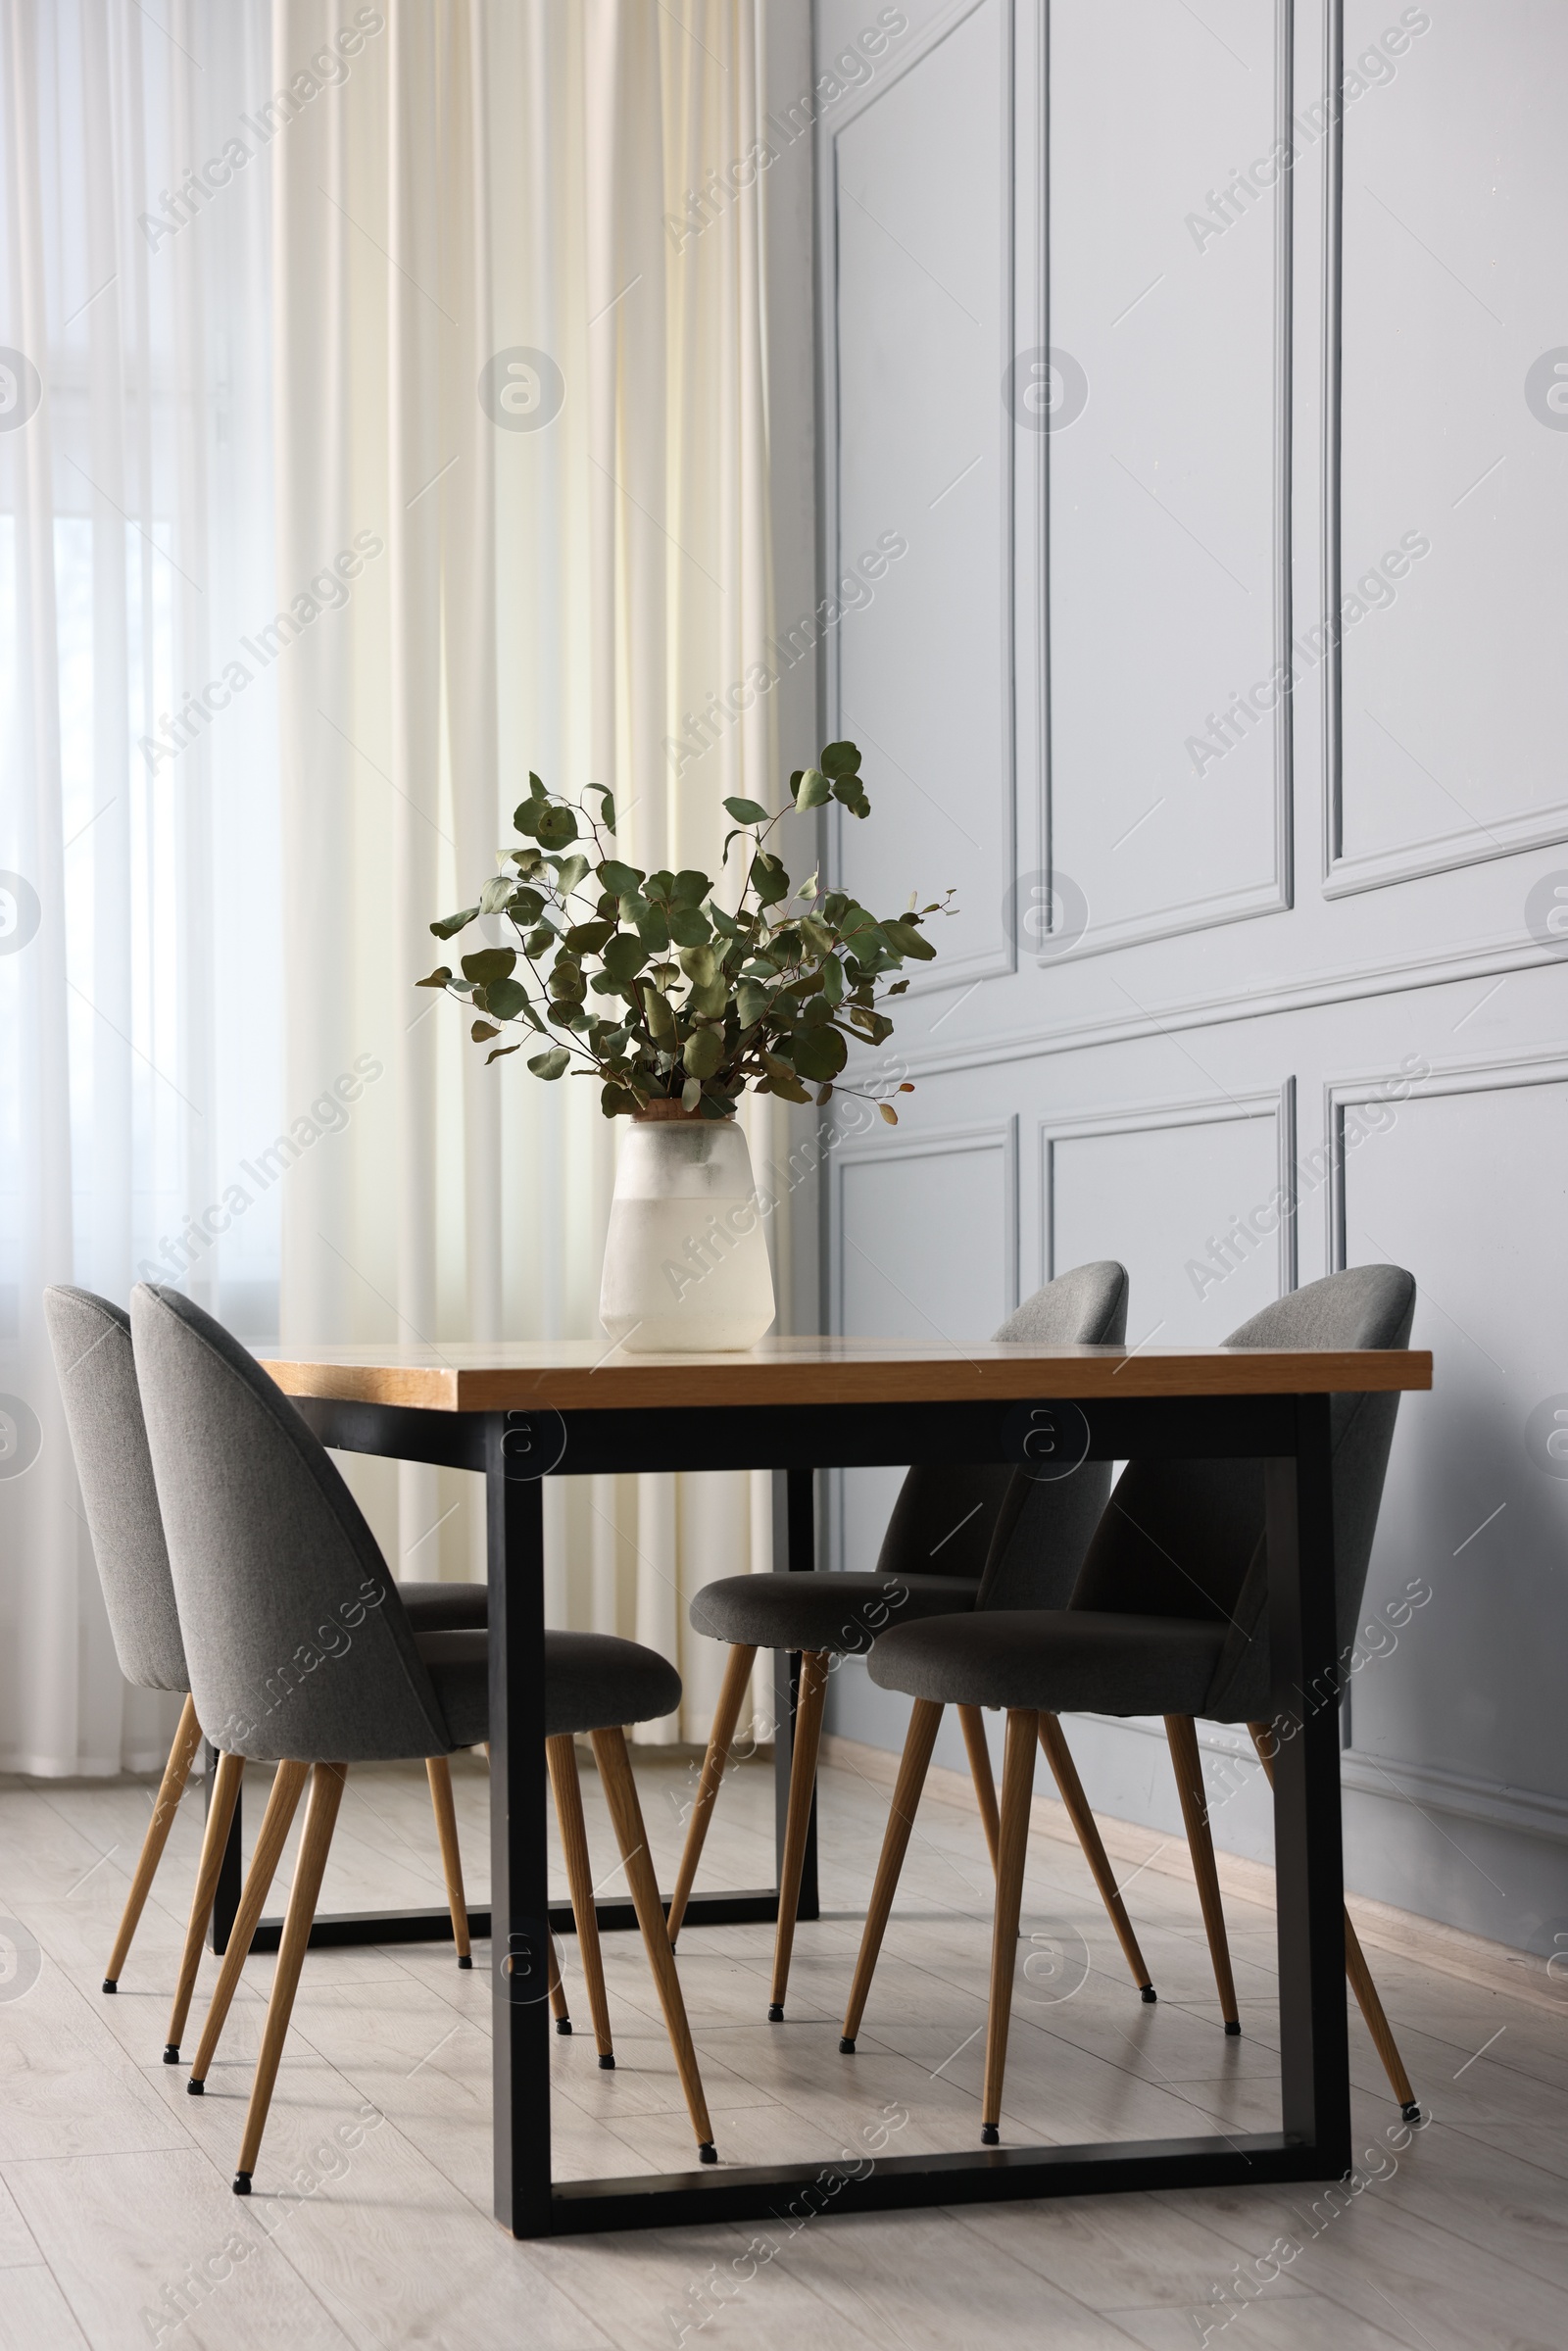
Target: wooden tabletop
column 576, row 1375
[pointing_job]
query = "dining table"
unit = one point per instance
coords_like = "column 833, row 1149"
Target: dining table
column 519, row 1414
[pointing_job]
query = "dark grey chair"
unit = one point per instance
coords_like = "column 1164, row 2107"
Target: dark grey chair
column 90, row 1338
column 942, row 1512
column 301, row 1652
column 1169, row 1616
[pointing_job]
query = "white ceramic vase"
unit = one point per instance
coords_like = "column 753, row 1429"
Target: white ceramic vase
column 686, row 1260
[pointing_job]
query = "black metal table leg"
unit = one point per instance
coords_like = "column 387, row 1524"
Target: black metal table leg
column 1314, row 2049
column 795, row 1544
column 519, row 1854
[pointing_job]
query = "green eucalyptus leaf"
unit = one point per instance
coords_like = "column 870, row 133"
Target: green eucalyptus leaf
column 571, row 871
column 567, row 983
column 841, row 759
column 526, row 815
column 769, row 882
column 623, row 880
column 450, row 924
column 751, row 1003
column 833, row 980
column 848, row 790
column 437, row 978
column 588, row 937
column 702, row 1052
column 815, row 788
column 489, row 963
column 652, row 928
column 817, row 936
column 905, row 940
column 689, row 926
column 506, row 999
column 819, row 1052
column 617, row 1102
column 815, row 1010
column 690, row 1094
column 554, row 826
column 747, row 811
column 482, row 1029
column 689, row 887
column 660, row 885
column 552, row 1064
column 539, row 941
column 661, row 1019
column 497, row 893
column 499, row 1052
column 700, row 963
column 527, row 905
column 709, row 1000
column 606, row 806
column 624, row 957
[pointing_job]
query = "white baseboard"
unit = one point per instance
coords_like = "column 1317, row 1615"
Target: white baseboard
column 1521, row 1975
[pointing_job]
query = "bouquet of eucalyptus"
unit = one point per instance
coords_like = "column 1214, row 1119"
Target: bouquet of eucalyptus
column 645, row 982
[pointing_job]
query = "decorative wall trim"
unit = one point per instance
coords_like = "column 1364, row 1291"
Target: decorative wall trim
column 1471, row 844
column 1494, row 960
column 1486, row 1074
column 936, row 1143
column 1276, row 894
column 1217, row 1110
column 996, row 962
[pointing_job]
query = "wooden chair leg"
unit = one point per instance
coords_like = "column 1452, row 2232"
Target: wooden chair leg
column 558, row 2008
column 288, row 1785
column 1360, row 1975
column 621, row 1794
column 1012, row 1844
column 1071, row 1789
column 561, row 1755
column 439, row 1775
column 726, row 1714
column 219, row 1818
column 973, row 1725
column 1182, row 1732
column 321, row 1818
column 918, row 1741
column 176, row 1771
column 802, row 1780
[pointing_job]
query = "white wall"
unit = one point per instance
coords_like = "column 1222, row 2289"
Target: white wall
column 1262, row 930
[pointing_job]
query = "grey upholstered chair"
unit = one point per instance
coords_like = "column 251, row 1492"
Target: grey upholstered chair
column 93, row 1360
column 942, row 1512
column 302, row 1653
column 1169, row 1616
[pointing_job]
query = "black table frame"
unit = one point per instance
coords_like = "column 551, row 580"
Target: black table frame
column 1289, row 1433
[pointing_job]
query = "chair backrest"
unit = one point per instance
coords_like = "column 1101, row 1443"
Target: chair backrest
column 1187, row 1537
column 97, row 1372
column 297, row 1642
column 990, row 1521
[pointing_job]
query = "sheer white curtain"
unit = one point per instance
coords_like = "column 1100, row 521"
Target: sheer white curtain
column 510, row 373
column 399, row 428
column 139, row 918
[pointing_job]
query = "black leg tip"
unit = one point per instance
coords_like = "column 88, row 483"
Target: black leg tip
column 242, row 2184
column 563, row 2024
column 195, row 2088
column 775, row 2015
column 990, row 2136
column 1233, row 2030
column 1148, row 1994
column 1412, row 2113
column 846, row 2046
column 171, row 2053
column 606, row 2062
column 466, row 1960
column 708, row 2152
column 111, row 1983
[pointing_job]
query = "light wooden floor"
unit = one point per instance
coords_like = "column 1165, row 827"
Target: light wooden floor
column 118, row 2227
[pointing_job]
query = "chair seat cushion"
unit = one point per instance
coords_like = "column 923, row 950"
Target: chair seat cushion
column 593, row 1681
column 446, row 1607
column 843, row 1614
column 1055, row 1661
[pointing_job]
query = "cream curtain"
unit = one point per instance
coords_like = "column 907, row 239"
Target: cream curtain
column 520, row 400
column 380, row 418
column 138, row 915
